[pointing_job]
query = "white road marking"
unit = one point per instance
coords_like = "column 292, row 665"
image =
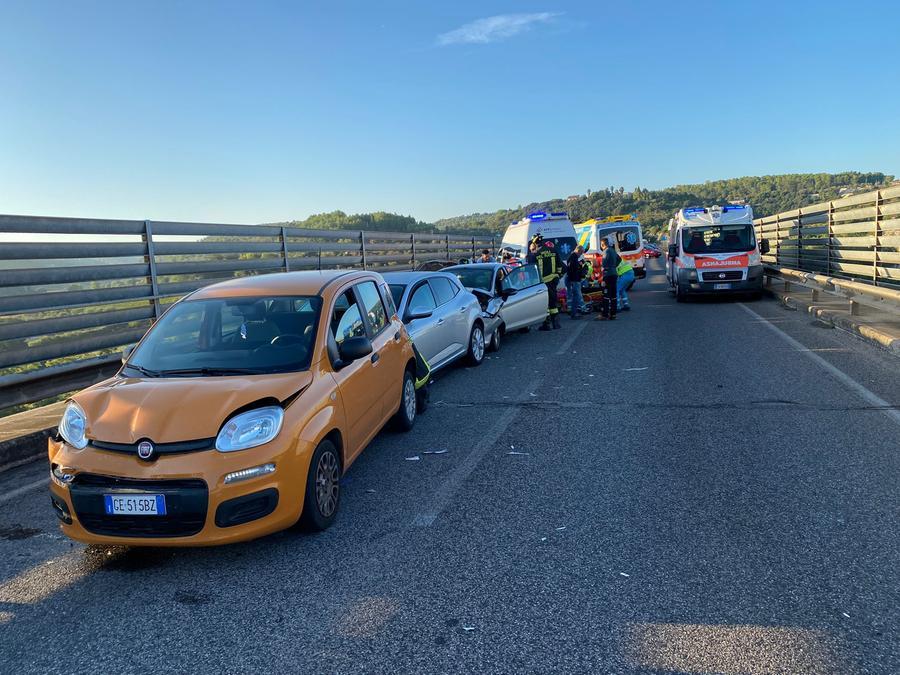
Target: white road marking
column 835, row 372
column 9, row 496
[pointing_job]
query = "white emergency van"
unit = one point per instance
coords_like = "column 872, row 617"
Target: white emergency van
column 553, row 227
column 624, row 231
column 714, row 250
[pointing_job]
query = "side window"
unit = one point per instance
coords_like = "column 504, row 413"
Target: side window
column 388, row 300
column 346, row 319
column 522, row 277
column 444, row 290
column 422, row 300
column 373, row 306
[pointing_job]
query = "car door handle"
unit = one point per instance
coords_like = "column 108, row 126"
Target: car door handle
column 375, row 357
column 440, row 321
column 462, row 309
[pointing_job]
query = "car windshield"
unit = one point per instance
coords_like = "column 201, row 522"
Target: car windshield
column 230, row 336
column 475, row 277
column 397, row 293
column 718, row 238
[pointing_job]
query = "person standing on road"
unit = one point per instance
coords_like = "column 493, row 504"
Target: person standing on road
column 625, row 274
column 610, row 261
column 550, row 267
column 486, row 257
column 574, row 277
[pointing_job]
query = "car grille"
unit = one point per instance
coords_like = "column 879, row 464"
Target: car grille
column 187, row 501
column 158, row 448
column 723, row 275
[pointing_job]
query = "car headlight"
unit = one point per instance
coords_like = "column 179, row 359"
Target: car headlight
column 250, row 429
column 72, row 425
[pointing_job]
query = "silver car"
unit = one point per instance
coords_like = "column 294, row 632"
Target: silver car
column 442, row 317
column 515, row 295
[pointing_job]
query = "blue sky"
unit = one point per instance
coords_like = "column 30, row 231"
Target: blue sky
column 265, row 111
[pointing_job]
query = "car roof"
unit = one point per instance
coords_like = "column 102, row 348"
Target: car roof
column 478, row 266
column 313, row 282
column 406, row 278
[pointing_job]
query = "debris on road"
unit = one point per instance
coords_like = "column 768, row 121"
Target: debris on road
column 435, row 452
column 624, row 575
column 543, row 538
column 514, row 452
column 632, row 370
column 414, row 458
column 468, row 628
column 560, row 529
column 371, row 492
column 531, row 393
column 845, row 614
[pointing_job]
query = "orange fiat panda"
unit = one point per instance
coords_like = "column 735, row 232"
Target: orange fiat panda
column 236, row 414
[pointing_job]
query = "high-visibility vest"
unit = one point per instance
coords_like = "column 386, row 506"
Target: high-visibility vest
column 623, row 267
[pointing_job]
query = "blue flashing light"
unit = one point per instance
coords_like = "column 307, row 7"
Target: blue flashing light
column 695, row 209
column 537, row 215
column 734, row 207
column 560, row 214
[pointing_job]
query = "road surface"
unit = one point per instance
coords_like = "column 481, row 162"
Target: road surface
column 707, row 487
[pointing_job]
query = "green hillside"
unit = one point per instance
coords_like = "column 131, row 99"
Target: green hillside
column 767, row 195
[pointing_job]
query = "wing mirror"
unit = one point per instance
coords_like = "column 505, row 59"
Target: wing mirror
column 673, row 251
column 353, row 349
column 507, row 292
column 418, row 313
column 126, row 352
column 764, row 246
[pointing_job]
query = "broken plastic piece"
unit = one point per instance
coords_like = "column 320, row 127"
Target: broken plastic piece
column 560, row 529
column 468, row 628
column 543, row 538
column 624, row 575
column 632, row 370
column 434, row 452
column 517, row 453
column 414, row 458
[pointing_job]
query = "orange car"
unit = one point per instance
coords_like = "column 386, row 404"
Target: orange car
column 236, row 414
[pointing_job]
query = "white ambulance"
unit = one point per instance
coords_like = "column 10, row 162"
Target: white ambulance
column 625, row 231
column 553, row 227
column 714, row 250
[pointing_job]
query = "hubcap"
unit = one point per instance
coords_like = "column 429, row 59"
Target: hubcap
column 477, row 344
column 409, row 399
column 327, row 483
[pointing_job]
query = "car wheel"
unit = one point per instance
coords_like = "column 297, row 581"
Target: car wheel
column 494, row 346
column 476, row 346
column 323, row 488
column 406, row 415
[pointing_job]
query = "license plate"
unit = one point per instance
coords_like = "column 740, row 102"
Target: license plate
column 722, row 287
column 135, row 505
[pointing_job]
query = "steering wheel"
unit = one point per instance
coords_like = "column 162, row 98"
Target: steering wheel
column 286, row 340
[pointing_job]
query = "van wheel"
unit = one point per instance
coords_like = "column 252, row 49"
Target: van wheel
column 680, row 293
column 494, row 346
column 406, row 415
column 476, row 346
column 323, row 488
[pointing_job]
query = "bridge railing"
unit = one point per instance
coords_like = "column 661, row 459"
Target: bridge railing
column 856, row 238
column 74, row 291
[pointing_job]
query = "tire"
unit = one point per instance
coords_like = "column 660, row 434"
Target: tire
column 405, row 418
column 680, row 295
column 323, row 488
column 494, row 345
column 475, row 356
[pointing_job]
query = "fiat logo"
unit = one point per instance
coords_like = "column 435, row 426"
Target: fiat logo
column 145, row 449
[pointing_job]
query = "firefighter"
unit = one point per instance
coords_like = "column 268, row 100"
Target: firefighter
column 550, row 267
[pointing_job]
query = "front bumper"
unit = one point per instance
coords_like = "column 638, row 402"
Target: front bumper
column 691, row 284
column 201, row 509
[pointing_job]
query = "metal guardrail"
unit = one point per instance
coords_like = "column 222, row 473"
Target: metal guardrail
column 75, row 291
column 856, row 238
column 877, row 297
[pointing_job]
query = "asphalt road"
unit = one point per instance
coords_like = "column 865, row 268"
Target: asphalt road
column 697, row 493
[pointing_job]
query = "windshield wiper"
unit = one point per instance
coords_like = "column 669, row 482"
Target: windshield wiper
column 142, row 370
column 210, row 371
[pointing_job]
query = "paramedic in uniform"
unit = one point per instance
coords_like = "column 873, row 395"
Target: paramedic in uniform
column 610, row 261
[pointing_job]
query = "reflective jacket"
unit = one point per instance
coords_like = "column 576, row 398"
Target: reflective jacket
column 549, row 264
column 623, row 267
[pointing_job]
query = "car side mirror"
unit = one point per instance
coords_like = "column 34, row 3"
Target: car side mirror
column 507, row 292
column 763, row 246
column 126, row 352
column 419, row 313
column 353, row 349
column 673, row 251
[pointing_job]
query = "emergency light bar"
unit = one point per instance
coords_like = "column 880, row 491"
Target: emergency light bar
column 696, row 209
column 537, row 215
column 734, row 207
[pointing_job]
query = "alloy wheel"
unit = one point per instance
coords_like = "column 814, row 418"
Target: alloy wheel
column 409, row 398
column 327, row 483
